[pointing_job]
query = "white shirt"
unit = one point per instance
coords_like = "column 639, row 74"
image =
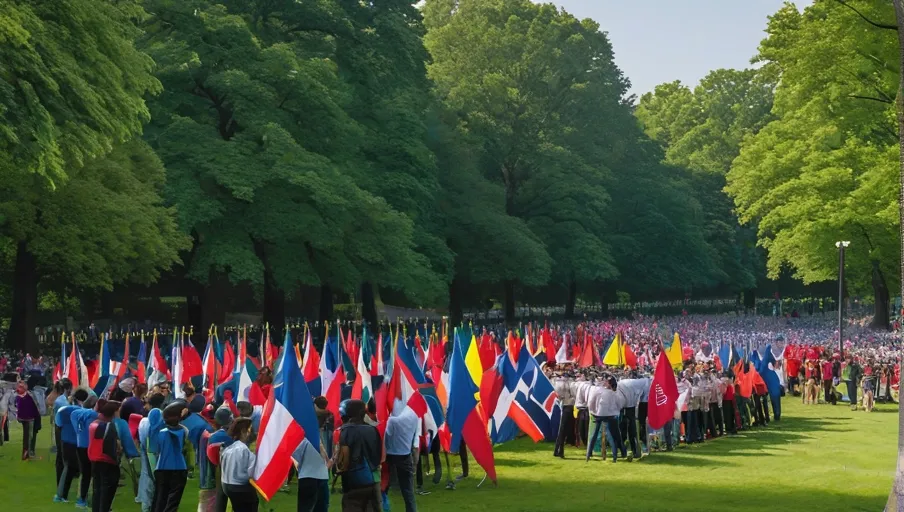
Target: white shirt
column 310, row 462
column 582, row 393
column 603, row 402
column 401, row 432
column 237, row 464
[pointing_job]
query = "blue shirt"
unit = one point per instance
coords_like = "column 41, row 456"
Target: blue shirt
column 81, row 419
column 125, row 438
column 169, row 444
column 59, row 403
column 196, row 426
column 63, row 419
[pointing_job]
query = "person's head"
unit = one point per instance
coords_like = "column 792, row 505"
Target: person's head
column 223, row 417
column 164, row 388
column 173, row 413
column 155, row 401
column 108, row 408
column 140, row 390
column 90, row 402
column 79, row 396
column 118, row 395
column 240, row 429
column 128, row 386
column 65, row 385
column 245, row 409
column 188, row 390
column 321, row 402
column 355, row 410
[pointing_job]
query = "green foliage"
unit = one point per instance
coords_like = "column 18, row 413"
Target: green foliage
column 825, row 168
column 702, row 130
column 106, row 224
column 537, row 90
column 72, row 84
column 266, row 158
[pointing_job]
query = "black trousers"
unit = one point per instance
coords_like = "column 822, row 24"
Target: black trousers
column 69, row 454
column 84, row 467
column 437, row 465
column 583, row 425
column 58, row 463
column 566, row 425
column 403, row 468
column 106, row 478
column 642, row 422
column 728, row 416
column 27, row 447
column 242, row 497
column 758, row 410
column 764, row 399
column 628, row 428
column 463, row 458
column 168, row 488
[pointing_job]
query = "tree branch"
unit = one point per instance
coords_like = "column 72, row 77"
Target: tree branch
column 881, row 100
column 871, row 22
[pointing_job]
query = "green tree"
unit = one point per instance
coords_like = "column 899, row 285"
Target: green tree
column 105, row 224
column 262, row 153
column 537, row 89
column 819, row 172
column 72, row 88
column 702, row 130
column 71, row 84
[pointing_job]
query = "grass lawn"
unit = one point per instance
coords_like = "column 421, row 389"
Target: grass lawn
column 816, row 458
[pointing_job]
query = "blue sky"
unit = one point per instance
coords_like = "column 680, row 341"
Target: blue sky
column 658, row 41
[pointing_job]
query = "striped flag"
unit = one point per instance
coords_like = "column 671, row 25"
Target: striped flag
column 287, row 419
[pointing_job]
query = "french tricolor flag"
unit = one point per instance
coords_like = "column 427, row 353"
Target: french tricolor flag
column 287, row 419
column 311, row 366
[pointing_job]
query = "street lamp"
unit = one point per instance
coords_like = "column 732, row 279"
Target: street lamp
column 841, row 247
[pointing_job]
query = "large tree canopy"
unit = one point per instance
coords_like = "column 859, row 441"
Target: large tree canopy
column 823, row 170
column 72, row 84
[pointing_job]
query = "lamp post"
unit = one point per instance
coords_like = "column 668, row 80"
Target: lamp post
column 841, row 247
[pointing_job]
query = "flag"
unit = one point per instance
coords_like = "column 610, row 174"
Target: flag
column 363, row 388
column 159, row 370
column 410, row 385
column 615, row 355
column 674, row 353
column 589, row 356
column 191, row 360
column 73, row 370
column 60, row 371
column 141, row 372
column 103, row 368
column 464, row 416
column 210, row 368
column 228, row 364
column 472, row 361
column 310, row 366
column 534, row 405
column 176, row 362
column 562, row 354
column 663, row 394
column 287, row 419
column 241, row 373
column 125, row 360
column 334, row 376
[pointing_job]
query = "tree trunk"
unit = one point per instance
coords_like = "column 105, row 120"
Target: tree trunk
column 326, row 303
column 368, row 305
column 455, row 312
column 274, row 307
column 509, row 302
column 896, row 496
column 206, row 307
column 21, row 334
column 572, row 298
column 881, row 294
column 750, row 300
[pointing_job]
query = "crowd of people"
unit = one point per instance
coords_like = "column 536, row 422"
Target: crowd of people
column 156, row 439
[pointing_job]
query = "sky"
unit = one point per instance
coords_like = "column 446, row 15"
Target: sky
column 658, row 41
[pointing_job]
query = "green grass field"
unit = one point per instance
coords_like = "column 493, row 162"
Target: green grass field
column 817, row 458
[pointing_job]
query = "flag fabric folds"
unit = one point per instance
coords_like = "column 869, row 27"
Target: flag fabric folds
column 464, row 415
column 674, row 353
column 288, row 418
column 663, row 394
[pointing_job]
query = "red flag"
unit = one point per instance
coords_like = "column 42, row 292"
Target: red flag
column 630, row 357
column 663, row 394
column 228, row 365
column 125, row 360
column 191, row 362
column 589, row 357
